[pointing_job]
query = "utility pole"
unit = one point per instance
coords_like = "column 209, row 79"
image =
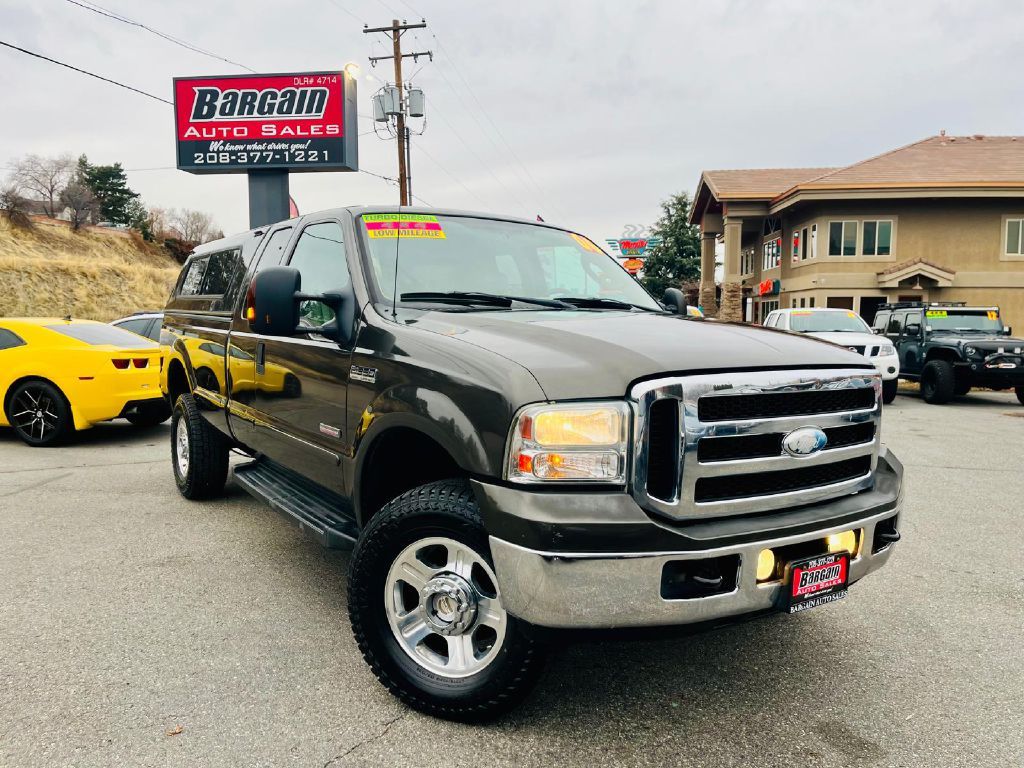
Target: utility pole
column 395, row 32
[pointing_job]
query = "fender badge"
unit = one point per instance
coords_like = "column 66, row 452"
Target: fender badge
column 361, row 373
column 330, row 431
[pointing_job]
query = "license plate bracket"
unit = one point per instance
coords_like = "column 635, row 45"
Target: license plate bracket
column 817, row 581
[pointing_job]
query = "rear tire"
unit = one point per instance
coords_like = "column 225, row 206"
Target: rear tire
column 938, row 382
column 1019, row 391
column 199, row 453
column 889, row 389
column 150, row 414
column 481, row 662
column 40, row 414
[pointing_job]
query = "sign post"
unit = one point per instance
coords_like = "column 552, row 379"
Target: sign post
column 266, row 126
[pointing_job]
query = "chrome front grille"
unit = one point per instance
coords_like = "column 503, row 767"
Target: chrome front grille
column 712, row 446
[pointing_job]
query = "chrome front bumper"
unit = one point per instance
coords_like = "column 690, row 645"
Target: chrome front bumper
column 605, row 590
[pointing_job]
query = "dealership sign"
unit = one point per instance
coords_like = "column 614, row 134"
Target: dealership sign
column 297, row 122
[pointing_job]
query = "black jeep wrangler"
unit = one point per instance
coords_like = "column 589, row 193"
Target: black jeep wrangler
column 950, row 348
column 513, row 434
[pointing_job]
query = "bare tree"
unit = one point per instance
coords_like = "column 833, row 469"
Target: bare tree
column 192, row 226
column 81, row 202
column 14, row 207
column 44, row 177
column 160, row 223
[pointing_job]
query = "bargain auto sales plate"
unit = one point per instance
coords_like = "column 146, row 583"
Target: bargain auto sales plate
column 817, row 581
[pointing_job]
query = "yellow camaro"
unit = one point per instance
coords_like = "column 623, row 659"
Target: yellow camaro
column 58, row 376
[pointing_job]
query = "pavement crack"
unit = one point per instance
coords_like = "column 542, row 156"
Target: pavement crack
column 364, row 742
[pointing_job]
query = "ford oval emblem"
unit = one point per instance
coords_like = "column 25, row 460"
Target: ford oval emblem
column 805, row 441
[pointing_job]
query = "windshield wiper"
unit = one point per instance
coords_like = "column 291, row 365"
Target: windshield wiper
column 466, row 298
column 596, row 302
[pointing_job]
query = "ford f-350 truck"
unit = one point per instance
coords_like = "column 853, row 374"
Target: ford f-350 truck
column 513, row 434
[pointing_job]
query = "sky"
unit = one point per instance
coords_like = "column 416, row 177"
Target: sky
column 588, row 114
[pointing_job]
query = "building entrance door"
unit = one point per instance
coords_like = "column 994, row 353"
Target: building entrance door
column 869, row 306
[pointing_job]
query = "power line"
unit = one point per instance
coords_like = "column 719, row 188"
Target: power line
column 493, row 126
column 169, row 38
column 343, row 9
column 476, row 157
column 84, row 72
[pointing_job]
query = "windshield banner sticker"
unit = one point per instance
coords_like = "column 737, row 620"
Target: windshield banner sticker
column 936, row 313
column 993, row 315
column 392, row 225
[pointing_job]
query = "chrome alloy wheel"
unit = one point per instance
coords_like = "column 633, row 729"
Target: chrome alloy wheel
column 32, row 413
column 442, row 603
column 181, row 446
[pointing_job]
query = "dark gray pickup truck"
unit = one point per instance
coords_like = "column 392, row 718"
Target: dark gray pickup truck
column 514, row 435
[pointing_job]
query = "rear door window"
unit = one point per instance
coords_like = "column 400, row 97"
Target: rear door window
column 193, row 280
column 881, row 321
column 9, row 339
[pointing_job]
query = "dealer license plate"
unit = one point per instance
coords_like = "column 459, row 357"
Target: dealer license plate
column 817, row 581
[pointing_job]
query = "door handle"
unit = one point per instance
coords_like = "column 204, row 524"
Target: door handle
column 261, row 358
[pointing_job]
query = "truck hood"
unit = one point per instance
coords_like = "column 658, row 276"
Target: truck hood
column 990, row 342
column 581, row 354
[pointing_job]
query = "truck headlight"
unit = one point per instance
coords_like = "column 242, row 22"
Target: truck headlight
column 970, row 351
column 569, row 442
column 886, row 350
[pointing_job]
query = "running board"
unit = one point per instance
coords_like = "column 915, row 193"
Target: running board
column 316, row 510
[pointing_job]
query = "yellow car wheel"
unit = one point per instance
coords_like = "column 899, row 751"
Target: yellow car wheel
column 40, row 414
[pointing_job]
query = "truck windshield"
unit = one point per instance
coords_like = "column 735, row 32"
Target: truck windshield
column 446, row 260
column 827, row 322
column 964, row 320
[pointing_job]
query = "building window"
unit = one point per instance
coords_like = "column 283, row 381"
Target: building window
column 842, row 238
column 796, row 246
column 814, row 241
column 877, row 238
column 767, row 307
column 747, row 258
column 1014, row 231
column 771, row 253
column 810, row 302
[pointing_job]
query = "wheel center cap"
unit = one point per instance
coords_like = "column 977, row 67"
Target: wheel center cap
column 39, row 414
column 449, row 604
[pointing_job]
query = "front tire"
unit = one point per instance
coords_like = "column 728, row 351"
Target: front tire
column 938, row 382
column 1019, row 392
column 199, row 453
column 962, row 388
column 426, row 613
column 40, row 414
column 889, row 389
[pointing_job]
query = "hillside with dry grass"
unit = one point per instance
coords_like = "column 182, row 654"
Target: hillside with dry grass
column 48, row 270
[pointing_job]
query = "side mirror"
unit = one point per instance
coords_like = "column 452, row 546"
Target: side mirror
column 876, row 331
column 273, row 301
column 1007, row 331
column 674, row 300
column 913, row 329
column 270, row 305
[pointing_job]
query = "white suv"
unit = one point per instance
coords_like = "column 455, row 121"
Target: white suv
column 847, row 329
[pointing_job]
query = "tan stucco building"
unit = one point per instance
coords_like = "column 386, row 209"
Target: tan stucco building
column 939, row 220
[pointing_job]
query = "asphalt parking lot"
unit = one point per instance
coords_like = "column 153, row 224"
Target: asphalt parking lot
column 139, row 629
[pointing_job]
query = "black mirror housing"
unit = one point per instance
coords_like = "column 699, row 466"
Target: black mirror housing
column 675, row 301
column 913, row 329
column 271, row 308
